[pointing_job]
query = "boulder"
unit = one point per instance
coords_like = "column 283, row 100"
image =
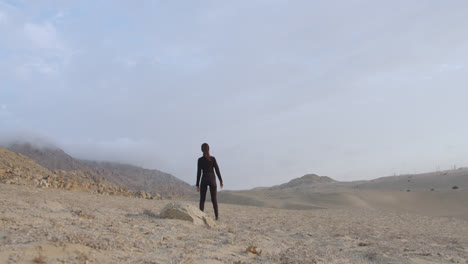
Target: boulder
column 186, row 212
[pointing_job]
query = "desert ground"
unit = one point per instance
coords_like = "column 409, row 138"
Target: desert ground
column 59, row 226
column 448, row 202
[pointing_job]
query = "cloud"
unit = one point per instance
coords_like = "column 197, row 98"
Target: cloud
column 3, row 18
column 140, row 152
column 285, row 88
column 32, row 137
column 43, row 35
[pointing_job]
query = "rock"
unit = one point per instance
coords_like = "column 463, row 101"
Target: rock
column 141, row 194
column 253, row 249
column 144, row 195
column 43, row 184
column 186, row 212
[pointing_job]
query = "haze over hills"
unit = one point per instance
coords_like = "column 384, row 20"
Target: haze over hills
column 48, row 156
column 128, row 176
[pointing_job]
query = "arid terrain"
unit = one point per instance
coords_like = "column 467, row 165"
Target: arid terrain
column 76, row 217
column 59, row 226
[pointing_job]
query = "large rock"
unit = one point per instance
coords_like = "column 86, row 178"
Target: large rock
column 187, row 212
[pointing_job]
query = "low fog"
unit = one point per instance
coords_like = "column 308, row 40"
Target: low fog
column 348, row 89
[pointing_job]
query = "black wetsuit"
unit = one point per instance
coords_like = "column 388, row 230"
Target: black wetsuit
column 208, row 179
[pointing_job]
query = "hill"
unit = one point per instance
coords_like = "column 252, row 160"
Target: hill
column 18, row 169
column 305, row 182
column 430, row 194
column 441, row 180
column 122, row 175
column 137, row 178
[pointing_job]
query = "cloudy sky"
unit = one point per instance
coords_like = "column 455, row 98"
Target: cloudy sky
column 351, row 89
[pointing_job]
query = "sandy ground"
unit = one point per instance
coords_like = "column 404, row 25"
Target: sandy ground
column 57, row 226
column 450, row 203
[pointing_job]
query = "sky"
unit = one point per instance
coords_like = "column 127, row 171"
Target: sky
column 350, row 89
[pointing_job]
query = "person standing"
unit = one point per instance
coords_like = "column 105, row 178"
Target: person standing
column 205, row 169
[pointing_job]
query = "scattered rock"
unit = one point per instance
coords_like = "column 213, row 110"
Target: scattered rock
column 425, row 254
column 141, row 194
column 186, row 212
column 253, row 249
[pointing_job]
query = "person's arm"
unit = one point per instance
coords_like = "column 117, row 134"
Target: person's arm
column 198, row 174
column 215, row 163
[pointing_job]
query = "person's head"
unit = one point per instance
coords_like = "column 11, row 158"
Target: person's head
column 205, row 148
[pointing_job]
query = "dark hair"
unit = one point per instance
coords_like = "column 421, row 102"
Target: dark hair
column 205, row 148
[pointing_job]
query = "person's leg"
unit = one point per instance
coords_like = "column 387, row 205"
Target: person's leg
column 203, row 188
column 214, row 200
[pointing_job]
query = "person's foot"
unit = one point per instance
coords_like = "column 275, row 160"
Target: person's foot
column 217, row 218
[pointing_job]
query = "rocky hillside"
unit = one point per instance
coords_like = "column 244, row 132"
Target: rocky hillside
column 16, row 168
column 306, row 182
column 137, row 178
column 125, row 176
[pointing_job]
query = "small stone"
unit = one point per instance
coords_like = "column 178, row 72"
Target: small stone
column 253, row 249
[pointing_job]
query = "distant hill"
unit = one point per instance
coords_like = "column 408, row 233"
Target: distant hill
column 431, row 194
column 415, row 182
column 442, row 180
column 123, row 175
column 305, row 182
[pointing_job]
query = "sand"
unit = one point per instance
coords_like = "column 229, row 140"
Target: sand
column 451, row 203
column 59, row 226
